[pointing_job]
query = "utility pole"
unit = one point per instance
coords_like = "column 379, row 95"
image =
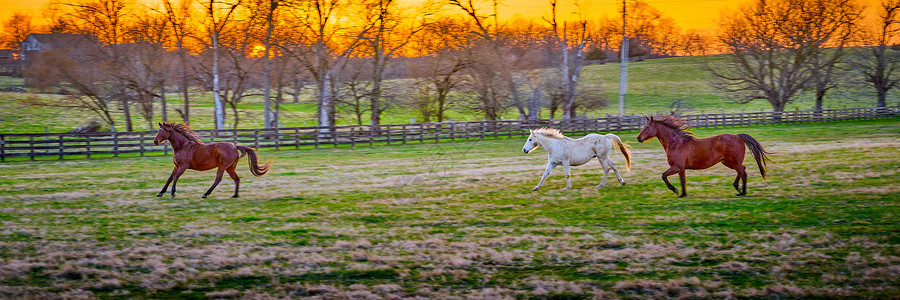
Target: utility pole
column 623, row 69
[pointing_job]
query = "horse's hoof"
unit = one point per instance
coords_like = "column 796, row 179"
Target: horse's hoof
column 535, row 189
column 235, row 196
column 172, row 196
column 682, row 196
column 159, row 195
column 204, row 196
column 623, row 183
column 741, row 194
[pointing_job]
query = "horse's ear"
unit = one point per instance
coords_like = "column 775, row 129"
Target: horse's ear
column 160, row 124
column 651, row 118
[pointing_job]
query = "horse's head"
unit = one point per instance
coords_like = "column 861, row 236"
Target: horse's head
column 531, row 143
column 649, row 130
column 162, row 134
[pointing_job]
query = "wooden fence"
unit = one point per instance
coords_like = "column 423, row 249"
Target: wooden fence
column 86, row 144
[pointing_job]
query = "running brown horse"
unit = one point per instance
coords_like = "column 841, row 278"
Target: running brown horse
column 191, row 153
column 684, row 151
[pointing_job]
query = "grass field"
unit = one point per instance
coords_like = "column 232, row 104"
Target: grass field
column 459, row 219
column 653, row 86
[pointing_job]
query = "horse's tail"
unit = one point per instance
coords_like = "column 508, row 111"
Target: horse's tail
column 255, row 168
column 626, row 150
column 760, row 154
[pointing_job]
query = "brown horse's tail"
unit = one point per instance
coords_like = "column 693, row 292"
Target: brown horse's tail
column 759, row 153
column 626, row 150
column 255, row 168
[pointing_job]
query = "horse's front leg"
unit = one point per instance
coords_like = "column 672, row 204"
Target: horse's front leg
column 166, row 187
column 665, row 177
column 180, row 170
column 683, row 182
column 566, row 166
column 550, row 167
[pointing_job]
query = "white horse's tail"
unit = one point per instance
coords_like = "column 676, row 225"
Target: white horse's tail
column 626, row 150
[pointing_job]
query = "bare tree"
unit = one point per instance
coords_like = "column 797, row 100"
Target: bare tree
column 180, row 20
column 499, row 59
column 218, row 15
column 572, row 58
column 85, row 79
column 15, row 30
column 877, row 61
column 105, row 20
column 144, row 64
column 772, row 45
column 835, row 24
column 440, row 72
column 322, row 43
column 390, row 31
column 268, row 12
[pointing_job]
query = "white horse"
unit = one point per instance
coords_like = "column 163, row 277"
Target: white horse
column 567, row 152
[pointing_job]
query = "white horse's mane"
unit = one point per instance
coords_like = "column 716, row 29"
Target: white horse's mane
column 550, row 133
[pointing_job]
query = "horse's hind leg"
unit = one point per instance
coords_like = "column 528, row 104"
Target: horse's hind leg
column 605, row 172
column 237, row 181
column 612, row 166
column 740, row 177
column 219, row 174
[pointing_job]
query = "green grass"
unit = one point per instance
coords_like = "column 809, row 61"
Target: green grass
column 460, row 219
column 653, row 86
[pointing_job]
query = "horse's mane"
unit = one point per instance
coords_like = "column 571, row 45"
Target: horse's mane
column 678, row 124
column 549, row 132
column 184, row 130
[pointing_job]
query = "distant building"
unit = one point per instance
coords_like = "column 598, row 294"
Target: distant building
column 76, row 43
column 7, row 55
column 9, row 63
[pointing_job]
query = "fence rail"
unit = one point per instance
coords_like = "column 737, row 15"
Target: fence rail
column 87, row 144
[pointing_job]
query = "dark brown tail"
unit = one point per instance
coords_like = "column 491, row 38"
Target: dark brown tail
column 759, row 153
column 255, row 168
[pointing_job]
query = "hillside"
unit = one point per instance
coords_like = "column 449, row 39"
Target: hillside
column 653, row 86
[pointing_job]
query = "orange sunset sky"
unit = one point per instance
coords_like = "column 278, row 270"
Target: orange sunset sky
column 688, row 14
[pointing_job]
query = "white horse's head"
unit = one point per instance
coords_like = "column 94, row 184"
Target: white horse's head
column 531, row 143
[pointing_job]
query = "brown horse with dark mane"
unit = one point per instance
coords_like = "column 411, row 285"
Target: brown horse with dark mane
column 191, row 153
column 684, row 151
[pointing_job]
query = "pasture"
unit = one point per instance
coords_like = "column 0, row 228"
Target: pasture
column 459, row 219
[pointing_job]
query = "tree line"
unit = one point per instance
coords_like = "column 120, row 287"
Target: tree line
column 344, row 52
column 360, row 58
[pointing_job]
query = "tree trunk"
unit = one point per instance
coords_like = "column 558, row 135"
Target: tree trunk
column 127, row 110
column 162, row 102
column 220, row 109
column 184, row 88
column 326, row 105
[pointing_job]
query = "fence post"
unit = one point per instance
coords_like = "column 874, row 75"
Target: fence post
column 141, row 139
column 452, row 131
column 61, row 149
column 334, row 136
column 2, row 148
column 87, row 145
column 403, row 131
